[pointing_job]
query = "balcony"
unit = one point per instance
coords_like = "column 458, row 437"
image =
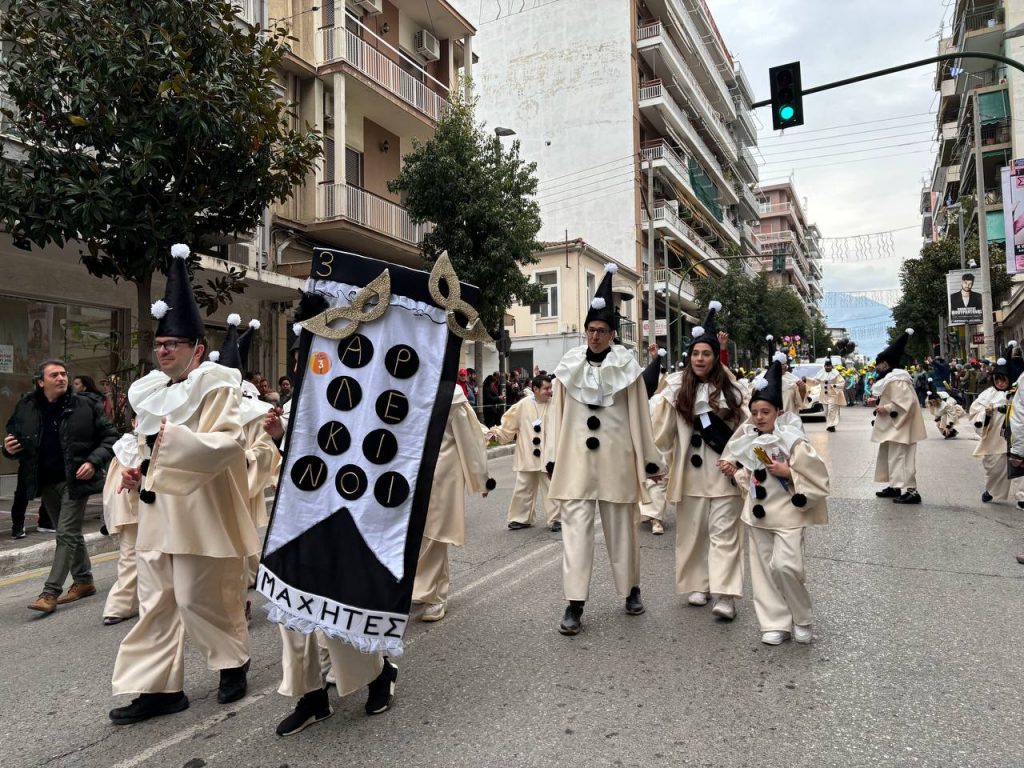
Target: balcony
column 666, row 218
column 781, row 209
column 750, row 208
column 702, row 59
column 627, row 332
column 981, row 30
column 653, row 42
column 748, row 165
column 674, row 283
column 6, row 125
column 674, row 166
column 343, row 201
column 336, row 44
column 745, row 124
column 668, row 118
column 748, row 237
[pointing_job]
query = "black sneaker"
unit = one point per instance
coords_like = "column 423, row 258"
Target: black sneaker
column 515, row 525
column 233, row 684
column 382, row 690
column 830, row 429
column 19, row 534
column 149, row 705
column 910, row 496
column 572, row 620
column 312, row 708
column 986, row 497
column 634, row 605
column 556, row 526
column 888, row 493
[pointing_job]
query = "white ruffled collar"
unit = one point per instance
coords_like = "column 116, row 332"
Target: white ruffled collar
column 747, row 438
column 992, row 396
column 250, row 405
column 896, row 374
column 154, row 396
column 597, row 384
column 126, row 450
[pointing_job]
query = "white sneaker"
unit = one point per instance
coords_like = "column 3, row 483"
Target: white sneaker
column 802, row 634
column 697, row 598
column 656, row 527
column 725, row 608
column 775, row 637
column 434, row 612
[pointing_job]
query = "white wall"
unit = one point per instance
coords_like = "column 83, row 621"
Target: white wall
column 563, row 73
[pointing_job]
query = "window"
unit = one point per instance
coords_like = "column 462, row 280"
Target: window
column 548, row 306
column 591, row 287
column 353, row 167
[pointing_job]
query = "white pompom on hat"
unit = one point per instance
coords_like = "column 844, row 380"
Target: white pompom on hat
column 234, row 319
column 214, row 356
column 158, row 309
column 255, row 324
column 611, row 267
column 598, row 303
column 180, row 251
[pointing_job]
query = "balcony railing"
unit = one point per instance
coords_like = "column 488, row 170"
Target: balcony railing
column 672, row 281
column 343, row 201
column 982, row 18
column 338, row 44
column 704, row 55
column 777, row 209
column 627, row 331
column 746, row 159
column 655, row 89
column 660, row 150
column 663, row 215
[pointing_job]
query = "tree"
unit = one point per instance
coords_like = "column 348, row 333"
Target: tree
column 844, row 347
column 480, row 199
column 144, row 124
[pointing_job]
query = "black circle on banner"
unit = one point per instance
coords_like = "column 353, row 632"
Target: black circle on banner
column 392, row 406
column 380, row 446
column 351, row 482
column 344, row 393
column 309, row 473
column 391, row 489
column 402, row 362
column 355, row 351
column 333, row 438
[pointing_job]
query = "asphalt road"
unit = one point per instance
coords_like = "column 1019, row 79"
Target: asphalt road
column 918, row 660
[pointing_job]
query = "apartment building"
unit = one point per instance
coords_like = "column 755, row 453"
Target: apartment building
column 612, row 98
column 370, row 75
column 998, row 94
column 790, row 246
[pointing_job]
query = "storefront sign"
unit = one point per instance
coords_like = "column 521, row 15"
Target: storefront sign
column 978, row 339
column 1013, row 216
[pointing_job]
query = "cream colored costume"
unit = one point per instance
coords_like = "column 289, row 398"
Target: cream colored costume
column 988, row 416
column 194, row 537
column 776, row 521
column 461, row 467
column 709, row 551
column 949, row 415
column 600, row 449
column 262, row 462
column 121, row 516
column 831, row 394
column 524, row 423
column 898, row 428
column 792, row 401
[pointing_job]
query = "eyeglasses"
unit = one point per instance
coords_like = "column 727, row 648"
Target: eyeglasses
column 170, row 346
column 597, row 331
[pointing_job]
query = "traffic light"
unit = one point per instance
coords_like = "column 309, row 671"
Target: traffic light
column 787, row 96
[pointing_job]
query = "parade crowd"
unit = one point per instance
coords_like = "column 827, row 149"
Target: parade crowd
column 599, row 438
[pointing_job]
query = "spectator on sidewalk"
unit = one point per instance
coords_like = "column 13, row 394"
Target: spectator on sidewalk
column 284, row 388
column 63, row 442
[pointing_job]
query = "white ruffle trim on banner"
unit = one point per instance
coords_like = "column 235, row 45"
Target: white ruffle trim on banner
column 365, row 630
column 152, row 398
column 597, row 384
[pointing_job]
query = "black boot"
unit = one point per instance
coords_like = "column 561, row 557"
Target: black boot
column 233, row 684
column 634, row 605
column 910, row 496
column 888, row 493
column 572, row 621
column 382, row 689
column 312, row 708
column 986, row 497
column 149, row 705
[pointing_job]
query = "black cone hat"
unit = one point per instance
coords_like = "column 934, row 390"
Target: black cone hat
column 708, row 333
column 768, row 386
column 311, row 304
column 894, row 353
column 602, row 308
column 177, row 312
column 245, row 343
column 228, row 355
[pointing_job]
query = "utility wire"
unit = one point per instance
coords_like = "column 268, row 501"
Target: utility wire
column 770, row 142
column 850, row 143
column 783, row 164
column 779, row 135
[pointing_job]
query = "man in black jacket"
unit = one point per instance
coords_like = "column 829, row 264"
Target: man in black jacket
column 63, row 442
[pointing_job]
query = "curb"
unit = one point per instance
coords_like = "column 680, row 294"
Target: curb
column 41, row 555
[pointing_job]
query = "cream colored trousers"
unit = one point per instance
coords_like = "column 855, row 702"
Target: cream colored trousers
column 709, row 547
column 619, row 523
column 123, row 598
column 179, row 594
column 655, row 509
column 831, row 415
column 996, row 481
column 897, row 465
column 301, row 670
column 529, row 486
column 777, row 577
column 432, row 576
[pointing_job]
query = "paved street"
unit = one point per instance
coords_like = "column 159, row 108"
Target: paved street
column 918, row 662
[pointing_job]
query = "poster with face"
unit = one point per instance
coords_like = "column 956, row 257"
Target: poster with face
column 377, row 372
column 964, row 287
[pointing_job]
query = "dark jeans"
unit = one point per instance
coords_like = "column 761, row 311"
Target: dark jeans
column 18, row 507
column 71, row 555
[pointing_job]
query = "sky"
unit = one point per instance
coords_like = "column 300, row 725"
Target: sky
column 857, row 192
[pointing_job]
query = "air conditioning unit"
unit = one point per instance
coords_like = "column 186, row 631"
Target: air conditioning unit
column 427, row 46
column 371, row 7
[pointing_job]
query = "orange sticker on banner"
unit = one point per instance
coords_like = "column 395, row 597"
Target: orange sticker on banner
column 320, row 363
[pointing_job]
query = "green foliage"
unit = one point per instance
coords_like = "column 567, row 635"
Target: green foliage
column 752, row 308
column 480, row 198
column 144, row 124
column 844, row 347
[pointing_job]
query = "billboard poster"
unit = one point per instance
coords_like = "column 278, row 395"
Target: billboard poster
column 40, row 324
column 964, row 287
column 1013, row 216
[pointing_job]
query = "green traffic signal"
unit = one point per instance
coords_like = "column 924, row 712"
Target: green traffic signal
column 786, row 96
column 786, row 113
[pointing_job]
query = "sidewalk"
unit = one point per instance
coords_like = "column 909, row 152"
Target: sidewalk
column 36, row 549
